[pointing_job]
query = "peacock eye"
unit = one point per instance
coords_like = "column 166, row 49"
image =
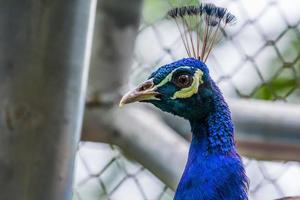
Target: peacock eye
column 183, row 81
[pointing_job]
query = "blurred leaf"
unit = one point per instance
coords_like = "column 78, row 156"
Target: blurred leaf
column 155, row 10
column 283, row 83
column 177, row 3
column 264, row 92
column 278, row 86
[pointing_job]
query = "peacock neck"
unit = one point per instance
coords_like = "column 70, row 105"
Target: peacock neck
column 214, row 169
column 215, row 132
column 213, row 135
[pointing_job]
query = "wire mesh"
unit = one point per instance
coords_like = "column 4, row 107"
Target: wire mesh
column 103, row 172
column 259, row 58
column 107, row 174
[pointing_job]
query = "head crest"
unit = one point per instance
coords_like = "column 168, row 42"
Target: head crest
column 200, row 27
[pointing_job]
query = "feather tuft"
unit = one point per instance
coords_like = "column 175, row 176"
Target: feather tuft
column 200, row 27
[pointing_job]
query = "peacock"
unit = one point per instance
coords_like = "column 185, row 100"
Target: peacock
column 214, row 169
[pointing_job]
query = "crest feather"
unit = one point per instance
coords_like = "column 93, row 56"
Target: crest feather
column 200, row 27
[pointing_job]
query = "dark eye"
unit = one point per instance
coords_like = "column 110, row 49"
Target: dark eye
column 183, row 81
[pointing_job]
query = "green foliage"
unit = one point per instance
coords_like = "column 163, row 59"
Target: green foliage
column 155, row 10
column 288, row 78
column 277, row 87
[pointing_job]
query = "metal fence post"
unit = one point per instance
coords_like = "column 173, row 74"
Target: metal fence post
column 43, row 73
column 117, row 24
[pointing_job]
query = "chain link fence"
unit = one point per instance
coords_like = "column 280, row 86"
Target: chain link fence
column 259, row 58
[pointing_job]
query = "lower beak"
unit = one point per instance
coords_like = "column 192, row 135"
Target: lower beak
column 145, row 91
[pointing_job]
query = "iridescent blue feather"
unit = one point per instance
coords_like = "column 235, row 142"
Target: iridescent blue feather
column 214, row 169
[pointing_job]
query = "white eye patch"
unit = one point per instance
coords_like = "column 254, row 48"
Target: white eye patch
column 184, row 92
column 191, row 90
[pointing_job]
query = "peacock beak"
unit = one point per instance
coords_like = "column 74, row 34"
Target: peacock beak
column 145, row 91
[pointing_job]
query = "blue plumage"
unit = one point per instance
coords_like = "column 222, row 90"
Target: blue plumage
column 187, row 107
column 214, row 170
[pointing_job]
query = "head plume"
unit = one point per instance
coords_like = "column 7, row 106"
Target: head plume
column 200, row 27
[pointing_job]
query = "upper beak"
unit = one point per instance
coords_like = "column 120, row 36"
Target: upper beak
column 145, row 91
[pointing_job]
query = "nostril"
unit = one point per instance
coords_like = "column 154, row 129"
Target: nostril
column 145, row 86
column 159, row 96
column 141, row 88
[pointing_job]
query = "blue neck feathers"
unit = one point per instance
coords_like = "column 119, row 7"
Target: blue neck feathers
column 214, row 169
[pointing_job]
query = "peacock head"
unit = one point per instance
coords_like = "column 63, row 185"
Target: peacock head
column 183, row 88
